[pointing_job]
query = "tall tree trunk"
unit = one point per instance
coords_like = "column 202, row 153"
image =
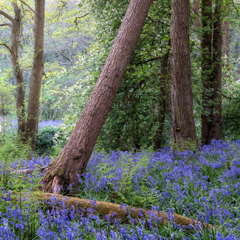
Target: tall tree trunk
column 183, row 126
column 227, row 38
column 74, row 157
column 206, row 45
column 16, row 24
column 196, row 11
column 212, row 75
column 239, row 53
column 163, row 81
column 214, row 132
column 37, row 74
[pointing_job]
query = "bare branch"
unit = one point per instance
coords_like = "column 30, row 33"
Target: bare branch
column 82, row 16
column 75, row 21
column 27, row 5
column 6, row 46
column 6, row 24
column 149, row 60
column 6, row 15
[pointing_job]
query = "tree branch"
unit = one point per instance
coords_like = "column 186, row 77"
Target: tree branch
column 6, row 24
column 75, row 21
column 149, row 60
column 5, row 45
column 81, row 16
column 27, row 5
column 6, row 15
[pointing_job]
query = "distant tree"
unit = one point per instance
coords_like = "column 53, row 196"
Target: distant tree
column 162, row 104
column 196, row 13
column 14, row 23
column 74, row 157
column 37, row 74
column 183, row 126
column 27, row 129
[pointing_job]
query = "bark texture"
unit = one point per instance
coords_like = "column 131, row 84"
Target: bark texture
column 212, row 100
column 74, row 157
column 16, row 25
column 183, row 126
column 163, row 81
column 37, row 74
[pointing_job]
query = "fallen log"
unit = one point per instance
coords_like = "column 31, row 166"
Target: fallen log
column 121, row 211
column 106, row 208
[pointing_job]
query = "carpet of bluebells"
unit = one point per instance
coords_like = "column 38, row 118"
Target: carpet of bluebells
column 13, row 123
column 202, row 185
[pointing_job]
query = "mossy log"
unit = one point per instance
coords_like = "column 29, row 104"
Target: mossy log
column 106, row 208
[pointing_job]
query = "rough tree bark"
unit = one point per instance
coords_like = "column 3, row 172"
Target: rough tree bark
column 37, row 74
column 15, row 33
column 74, row 157
column 183, row 127
column 212, row 75
column 163, row 80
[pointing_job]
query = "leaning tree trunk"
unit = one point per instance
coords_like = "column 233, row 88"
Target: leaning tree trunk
column 16, row 24
column 73, row 159
column 37, row 74
column 206, row 46
column 183, row 126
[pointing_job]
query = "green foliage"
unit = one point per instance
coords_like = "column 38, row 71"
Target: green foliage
column 45, row 140
column 12, row 148
column 6, row 96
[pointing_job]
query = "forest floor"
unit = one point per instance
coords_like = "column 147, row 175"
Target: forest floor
column 204, row 186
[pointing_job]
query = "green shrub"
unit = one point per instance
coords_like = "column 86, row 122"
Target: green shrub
column 45, row 140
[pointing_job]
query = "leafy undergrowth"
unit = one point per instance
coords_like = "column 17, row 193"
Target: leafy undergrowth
column 204, row 185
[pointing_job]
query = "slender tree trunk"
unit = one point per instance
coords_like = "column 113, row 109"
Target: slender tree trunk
column 212, row 75
column 227, row 38
column 37, row 74
column 16, row 24
column 165, row 64
column 206, row 68
column 183, row 126
column 74, row 157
